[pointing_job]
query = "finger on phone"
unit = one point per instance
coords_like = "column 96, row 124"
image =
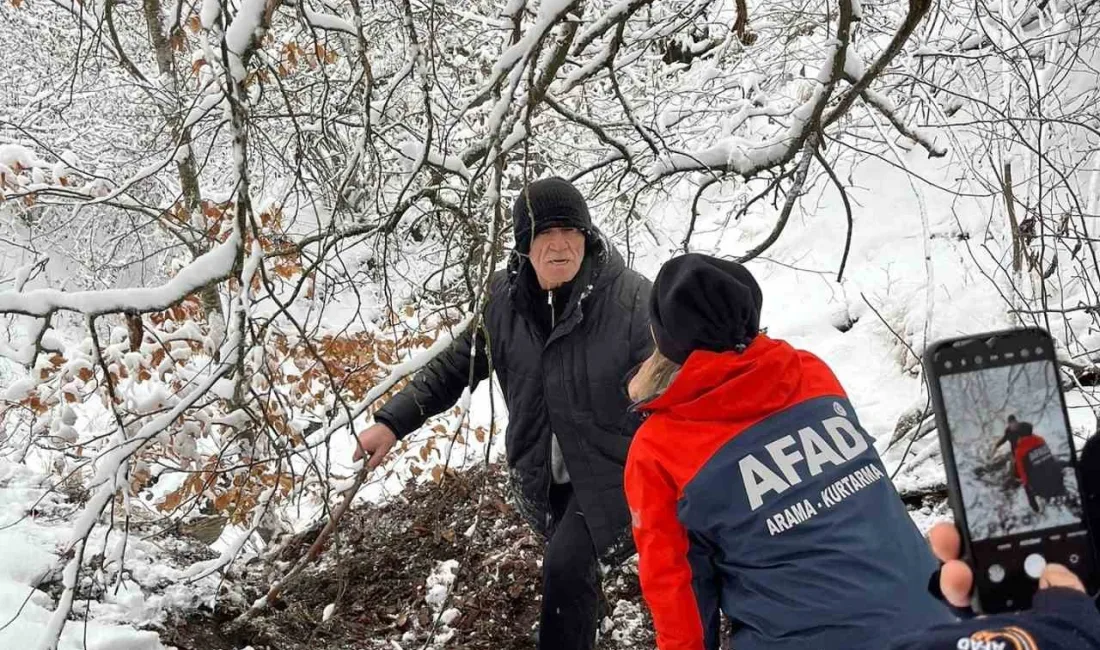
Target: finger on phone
column 956, row 580
column 1056, row 575
column 945, row 541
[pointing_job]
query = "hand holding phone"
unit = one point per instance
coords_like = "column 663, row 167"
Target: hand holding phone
column 1016, row 512
column 957, row 579
column 1063, row 617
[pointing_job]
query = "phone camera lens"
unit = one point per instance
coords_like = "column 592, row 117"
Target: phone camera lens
column 996, row 574
column 978, row 360
column 947, row 365
column 1025, row 353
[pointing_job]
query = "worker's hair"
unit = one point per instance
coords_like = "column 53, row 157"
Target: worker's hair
column 653, row 377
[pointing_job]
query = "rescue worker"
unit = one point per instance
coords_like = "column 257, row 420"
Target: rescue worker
column 1036, row 468
column 754, row 489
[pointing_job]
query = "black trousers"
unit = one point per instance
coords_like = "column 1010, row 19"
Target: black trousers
column 571, row 579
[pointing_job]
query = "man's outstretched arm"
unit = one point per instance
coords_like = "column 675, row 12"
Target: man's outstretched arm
column 433, row 390
column 437, row 386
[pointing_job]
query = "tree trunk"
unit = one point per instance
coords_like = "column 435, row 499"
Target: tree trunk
column 186, row 167
column 1013, row 222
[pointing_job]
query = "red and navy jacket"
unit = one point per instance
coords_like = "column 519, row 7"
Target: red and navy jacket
column 754, row 490
column 1024, row 446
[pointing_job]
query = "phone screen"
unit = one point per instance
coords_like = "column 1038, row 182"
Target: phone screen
column 1017, row 481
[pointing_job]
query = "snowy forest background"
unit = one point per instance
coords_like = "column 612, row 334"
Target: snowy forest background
column 229, row 228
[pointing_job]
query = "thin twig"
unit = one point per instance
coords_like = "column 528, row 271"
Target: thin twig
column 847, row 212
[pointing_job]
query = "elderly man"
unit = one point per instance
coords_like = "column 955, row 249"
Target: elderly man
column 565, row 323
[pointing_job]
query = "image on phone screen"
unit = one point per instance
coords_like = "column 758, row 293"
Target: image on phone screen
column 1012, row 450
column 1014, row 466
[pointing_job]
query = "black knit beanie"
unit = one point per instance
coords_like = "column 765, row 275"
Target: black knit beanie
column 700, row 302
column 546, row 203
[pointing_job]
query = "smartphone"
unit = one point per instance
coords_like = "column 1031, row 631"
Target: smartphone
column 1012, row 470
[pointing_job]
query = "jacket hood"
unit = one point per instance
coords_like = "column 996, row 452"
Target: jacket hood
column 713, row 386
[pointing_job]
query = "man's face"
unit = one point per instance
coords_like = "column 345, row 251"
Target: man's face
column 556, row 254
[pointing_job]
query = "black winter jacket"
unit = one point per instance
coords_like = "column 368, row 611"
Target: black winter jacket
column 571, row 383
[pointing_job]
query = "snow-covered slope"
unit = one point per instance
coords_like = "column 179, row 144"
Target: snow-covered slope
column 35, row 526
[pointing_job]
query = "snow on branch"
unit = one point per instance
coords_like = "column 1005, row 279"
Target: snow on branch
column 916, row 12
column 212, row 96
column 42, row 339
column 327, row 21
column 592, row 125
column 112, row 476
column 623, row 10
column 206, row 269
column 51, row 636
column 888, row 109
column 808, row 150
column 347, row 495
column 513, row 59
column 110, row 472
column 178, row 152
column 802, row 138
column 747, row 158
column 202, row 569
column 208, row 14
column 250, row 19
column 414, row 151
column 550, row 12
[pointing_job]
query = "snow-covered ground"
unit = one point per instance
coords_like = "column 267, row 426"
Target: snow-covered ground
column 1012, row 515
column 136, row 582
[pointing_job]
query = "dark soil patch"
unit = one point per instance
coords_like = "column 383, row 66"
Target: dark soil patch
column 200, row 632
column 376, row 569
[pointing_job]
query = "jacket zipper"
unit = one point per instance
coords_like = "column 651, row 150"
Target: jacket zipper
column 550, row 451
